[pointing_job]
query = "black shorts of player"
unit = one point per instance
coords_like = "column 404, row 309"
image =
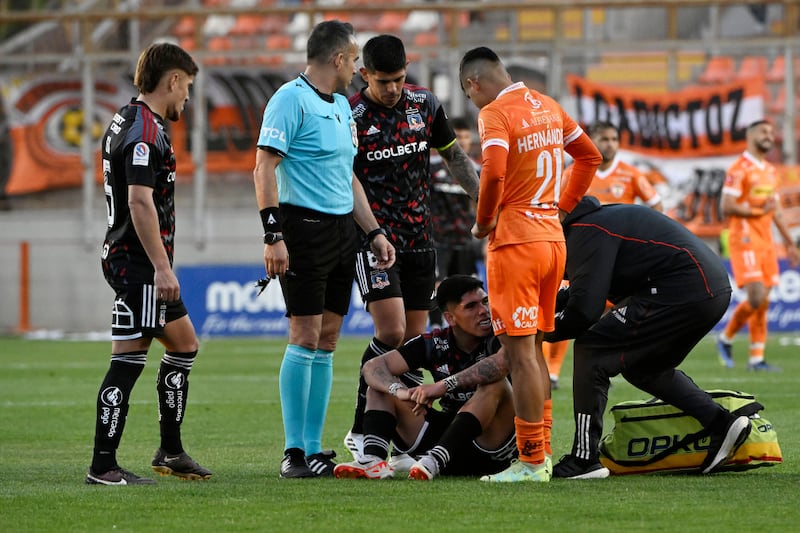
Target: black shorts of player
column 641, row 336
column 139, row 314
column 321, row 269
column 412, row 277
column 454, row 260
column 475, row 461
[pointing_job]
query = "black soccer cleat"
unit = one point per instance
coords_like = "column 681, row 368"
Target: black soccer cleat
column 724, row 445
column 179, row 465
column 322, row 463
column 571, row 467
column 294, row 464
column 116, row 476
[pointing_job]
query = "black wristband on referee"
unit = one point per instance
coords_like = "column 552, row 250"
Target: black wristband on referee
column 270, row 219
column 374, row 233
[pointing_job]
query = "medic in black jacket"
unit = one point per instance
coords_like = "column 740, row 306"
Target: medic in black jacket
column 669, row 289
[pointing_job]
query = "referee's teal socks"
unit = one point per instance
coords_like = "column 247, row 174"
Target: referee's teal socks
column 318, row 398
column 295, row 385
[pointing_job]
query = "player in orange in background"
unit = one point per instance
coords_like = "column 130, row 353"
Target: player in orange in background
column 615, row 182
column 750, row 200
column 523, row 135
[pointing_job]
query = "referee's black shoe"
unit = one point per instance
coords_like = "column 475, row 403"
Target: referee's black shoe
column 294, row 464
column 322, row 463
column 724, row 444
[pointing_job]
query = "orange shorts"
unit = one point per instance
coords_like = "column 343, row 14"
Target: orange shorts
column 523, row 281
column 750, row 265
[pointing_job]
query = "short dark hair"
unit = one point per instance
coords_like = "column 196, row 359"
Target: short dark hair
column 384, row 53
column 158, row 59
column 454, row 287
column 474, row 57
column 758, row 123
column 328, row 38
column 600, row 125
column 460, row 123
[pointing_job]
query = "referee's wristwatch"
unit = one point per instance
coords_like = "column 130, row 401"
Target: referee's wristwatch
column 272, row 238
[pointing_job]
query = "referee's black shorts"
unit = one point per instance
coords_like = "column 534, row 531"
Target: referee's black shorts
column 321, row 267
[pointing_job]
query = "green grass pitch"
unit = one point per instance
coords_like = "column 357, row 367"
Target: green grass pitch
column 233, row 426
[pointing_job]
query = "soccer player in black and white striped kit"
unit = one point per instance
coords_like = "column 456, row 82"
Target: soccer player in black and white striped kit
column 139, row 182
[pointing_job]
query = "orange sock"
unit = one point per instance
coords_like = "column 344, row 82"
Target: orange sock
column 740, row 316
column 530, row 440
column 548, row 425
column 758, row 332
column 554, row 353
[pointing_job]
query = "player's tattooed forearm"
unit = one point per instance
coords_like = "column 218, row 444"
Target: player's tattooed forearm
column 381, row 375
column 483, row 372
column 462, row 169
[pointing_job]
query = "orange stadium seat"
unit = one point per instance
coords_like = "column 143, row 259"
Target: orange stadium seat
column 333, row 15
column 777, row 71
column 642, row 71
column 185, row 27
column 187, row 43
column 391, row 22
column 752, row 67
column 248, row 25
column 274, row 22
column 279, row 41
column 273, row 60
column 428, row 38
column 719, row 69
column 218, row 44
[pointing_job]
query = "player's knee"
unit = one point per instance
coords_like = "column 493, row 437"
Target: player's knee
column 190, row 345
column 391, row 336
column 187, row 345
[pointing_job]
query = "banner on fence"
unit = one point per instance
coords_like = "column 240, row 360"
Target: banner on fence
column 693, row 122
column 42, row 121
column 223, row 301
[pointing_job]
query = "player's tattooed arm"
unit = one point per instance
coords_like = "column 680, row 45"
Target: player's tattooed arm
column 462, row 168
column 381, row 374
column 488, row 370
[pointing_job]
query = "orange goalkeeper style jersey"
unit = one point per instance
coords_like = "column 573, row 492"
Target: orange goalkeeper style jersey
column 621, row 183
column 751, row 182
column 523, row 134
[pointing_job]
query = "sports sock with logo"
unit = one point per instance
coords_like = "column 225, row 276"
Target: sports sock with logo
column 173, row 390
column 379, row 426
column 113, row 401
column 458, row 436
column 530, row 440
column 294, row 381
column 318, row 398
column 374, row 349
